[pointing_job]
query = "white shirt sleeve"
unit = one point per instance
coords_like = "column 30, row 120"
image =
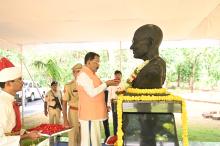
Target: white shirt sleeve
column 84, row 81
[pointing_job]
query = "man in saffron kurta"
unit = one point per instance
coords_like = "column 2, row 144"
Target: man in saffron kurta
column 92, row 107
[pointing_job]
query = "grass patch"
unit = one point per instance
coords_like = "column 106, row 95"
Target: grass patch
column 28, row 142
column 201, row 133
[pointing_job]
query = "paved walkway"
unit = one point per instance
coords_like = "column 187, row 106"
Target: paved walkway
column 200, row 96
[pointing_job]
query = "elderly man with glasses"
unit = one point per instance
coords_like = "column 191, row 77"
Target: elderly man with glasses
column 92, row 106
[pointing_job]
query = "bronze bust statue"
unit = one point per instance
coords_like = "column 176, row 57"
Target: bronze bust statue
column 146, row 42
column 145, row 46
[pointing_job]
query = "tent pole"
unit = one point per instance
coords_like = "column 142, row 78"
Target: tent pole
column 120, row 54
column 22, row 93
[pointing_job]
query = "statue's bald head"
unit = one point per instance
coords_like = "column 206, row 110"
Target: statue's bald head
column 151, row 31
column 146, row 41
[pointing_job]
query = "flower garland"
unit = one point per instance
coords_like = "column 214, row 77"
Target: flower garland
column 122, row 98
column 135, row 72
column 146, row 91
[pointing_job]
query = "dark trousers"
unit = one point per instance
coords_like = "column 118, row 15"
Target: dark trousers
column 106, row 128
column 115, row 118
column 105, row 122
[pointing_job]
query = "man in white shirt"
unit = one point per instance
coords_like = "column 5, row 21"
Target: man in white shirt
column 112, row 97
column 10, row 83
column 92, row 107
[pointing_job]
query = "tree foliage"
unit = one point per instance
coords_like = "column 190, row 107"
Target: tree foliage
column 186, row 67
column 51, row 68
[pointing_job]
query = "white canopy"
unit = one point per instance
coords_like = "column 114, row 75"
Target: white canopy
column 52, row 21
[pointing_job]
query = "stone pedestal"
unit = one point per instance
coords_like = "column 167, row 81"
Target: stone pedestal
column 150, row 123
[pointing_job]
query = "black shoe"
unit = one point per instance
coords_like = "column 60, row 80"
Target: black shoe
column 58, row 138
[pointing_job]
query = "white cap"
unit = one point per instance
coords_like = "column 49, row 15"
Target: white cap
column 10, row 73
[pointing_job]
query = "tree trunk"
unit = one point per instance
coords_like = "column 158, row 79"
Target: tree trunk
column 178, row 79
column 192, row 78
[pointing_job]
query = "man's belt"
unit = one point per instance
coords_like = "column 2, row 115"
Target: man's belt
column 54, row 107
column 73, row 108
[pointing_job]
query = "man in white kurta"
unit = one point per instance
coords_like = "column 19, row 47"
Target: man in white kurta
column 112, row 97
column 10, row 123
column 7, row 112
column 7, row 122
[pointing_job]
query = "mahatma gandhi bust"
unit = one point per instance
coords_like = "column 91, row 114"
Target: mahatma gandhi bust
column 145, row 46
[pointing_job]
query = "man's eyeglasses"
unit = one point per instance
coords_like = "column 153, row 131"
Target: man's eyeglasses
column 95, row 61
column 17, row 80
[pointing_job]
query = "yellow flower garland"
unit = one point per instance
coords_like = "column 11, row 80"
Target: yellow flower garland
column 146, row 91
column 135, row 72
column 122, row 98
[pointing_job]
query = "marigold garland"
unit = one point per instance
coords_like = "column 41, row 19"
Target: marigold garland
column 135, row 72
column 170, row 97
column 146, row 91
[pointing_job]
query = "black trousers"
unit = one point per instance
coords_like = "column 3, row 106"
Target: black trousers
column 106, row 128
column 105, row 122
column 115, row 118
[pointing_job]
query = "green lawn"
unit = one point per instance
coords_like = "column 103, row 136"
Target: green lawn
column 201, row 133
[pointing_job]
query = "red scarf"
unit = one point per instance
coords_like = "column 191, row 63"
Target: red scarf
column 18, row 117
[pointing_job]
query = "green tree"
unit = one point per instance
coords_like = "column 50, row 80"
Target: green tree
column 51, row 68
column 192, row 65
column 211, row 63
column 182, row 65
column 174, row 63
column 13, row 55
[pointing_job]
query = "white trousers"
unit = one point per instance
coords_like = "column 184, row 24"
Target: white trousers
column 90, row 130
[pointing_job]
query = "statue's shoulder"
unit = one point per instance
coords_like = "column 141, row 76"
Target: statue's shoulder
column 154, row 63
column 160, row 59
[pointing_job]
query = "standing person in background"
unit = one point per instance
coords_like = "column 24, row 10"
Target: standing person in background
column 105, row 122
column 112, row 97
column 71, row 96
column 10, row 123
column 52, row 104
column 92, row 107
